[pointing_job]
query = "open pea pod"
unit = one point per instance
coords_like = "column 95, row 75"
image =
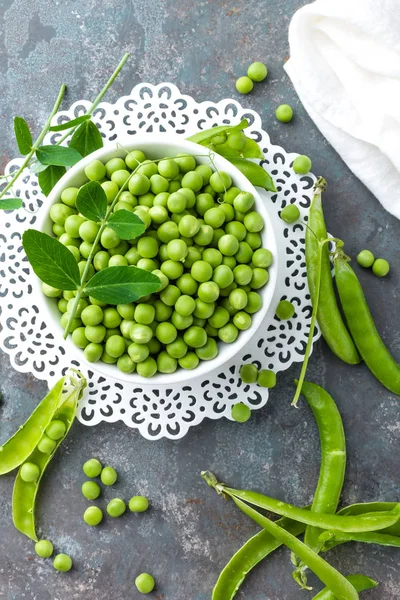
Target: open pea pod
column 24, row 493
column 205, row 137
column 254, row 173
column 251, row 150
column 17, row 448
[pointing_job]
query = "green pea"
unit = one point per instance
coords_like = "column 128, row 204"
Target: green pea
column 46, row 445
column 170, row 295
column 92, row 467
column 139, row 184
column 285, row 310
column 248, row 373
column 228, row 333
column 185, row 305
column 253, row 239
column 50, row 291
column 186, row 283
column 284, row 113
column 59, row 213
column 166, row 363
column 177, row 348
column 29, row 472
column 110, row 189
column 145, row 583
column 302, row 165
column 201, row 271
column 204, row 235
column 148, row 168
column 266, row 378
column 204, row 202
column 192, row 180
column 244, row 85
column 144, row 314
column 138, row 504
column 262, row 258
column 93, row 515
column 185, row 162
column 205, row 172
column 242, row 320
column 56, row 429
column 195, row 337
column 240, row 412
column 203, row 310
column 365, row 258
column 120, row 177
column 62, row 562
column 220, row 181
column 238, row 299
column 168, row 231
column 147, row 368
column 115, row 346
column 163, row 310
column 93, row 333
column 189, row 361
column 381, row 267
column 93, row 352
column 44, row 548
column 254, row 302
column 132, row 256
column 209, row 351
column 109, row 239
column 168, row 168
column 116, row 507
column 134, row 158
column 69, row 196
column 290, row 213
column 208, row 291
column 259, row 278
column 113, row 165
column 243, row 202
column 91, row 490
column 108, row 476
column 162, row 199
column 166, row 332
column 228, row 245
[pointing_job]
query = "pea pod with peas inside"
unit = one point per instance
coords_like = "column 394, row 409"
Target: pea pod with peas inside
column 359, row 582
column 329, row 317
column 362, row 327
column 25, row 490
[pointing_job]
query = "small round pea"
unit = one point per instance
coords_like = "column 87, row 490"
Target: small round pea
column 110, row 189
column 237, row 140
column 228, row 334
column 168, row 168
column 50, row 291
column 62, row 562
column 284, row 113
column 46, row 445
column 262, row 258
column 254, row 302
column 240, row 412
column 253, row 222
column 139, row 184
column 93, row 515
column 189, row 361
column 248, row 373
column 185, row 305
column 116, row 507
column 92, row 467
column 201, row 271
column 113, row 165
column 177, row 348
column 44, row 548
column 91, row 490
column 134, row 158
column 93, row 352
column 115, row 346
column 238, row 299
column 185, row 162
column 166, row 363
column 147, row 368
column 302, row 165
column 138, row 504
column 56, row 429
column 223, row 276
column 257, row 71
column 381, row 267
column 145, row 583
column 220, row 181
column 244, row 85
column 259, row 278
column 285, row 310
column 69, row 196
column 290, row 213
column 92, row 315
column 208, row 351
column 108, row 476
column 242, row 320
column 365, row 258
column 166, row 332
column 266, row 378
column 29, row 472
column 195, row 337
column 243, row 202
column 228, row 245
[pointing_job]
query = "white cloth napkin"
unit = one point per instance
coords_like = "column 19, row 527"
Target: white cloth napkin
column 345, row 66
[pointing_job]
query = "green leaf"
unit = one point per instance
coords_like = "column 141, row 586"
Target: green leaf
column 70, row 124
column 121, row 285
column 49, row 177
column 23, row 135
column 126, row 224
column 37, row 167
column 52, row 262
column 203, row 137
column 10, row 203
column 92, row 201
column 60, row 156
column 86, row 139
column 254, row 173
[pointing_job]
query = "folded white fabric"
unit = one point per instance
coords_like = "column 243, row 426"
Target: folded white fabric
column 345, row 66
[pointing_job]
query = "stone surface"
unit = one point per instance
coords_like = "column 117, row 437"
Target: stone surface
column 190, row 533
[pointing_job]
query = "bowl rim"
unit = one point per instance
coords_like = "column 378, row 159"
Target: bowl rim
column 157, row 141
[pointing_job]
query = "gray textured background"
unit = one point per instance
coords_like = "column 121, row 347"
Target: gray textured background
column 190, row 533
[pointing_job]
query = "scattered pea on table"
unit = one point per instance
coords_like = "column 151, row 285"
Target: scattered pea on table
column 44, row 548
column 92, row 468
column 91, row 490
column 116, row 507
column 257, row 71
column 284, row 113
column 109, row 475
column 248, row 373
column 244, row 85
column 62, row 562
column 302, row 165
column 365, row 258
column 138, row 504
column 285, row 310
column 290, row 214
column 240, row 412
column 266, row 378
column 381, row 267
column 145, row 583
column 93, row 515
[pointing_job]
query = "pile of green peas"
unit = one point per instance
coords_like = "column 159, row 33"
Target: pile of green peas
column 203, row 241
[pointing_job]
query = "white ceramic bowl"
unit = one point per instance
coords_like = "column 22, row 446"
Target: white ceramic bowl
column 157, row 146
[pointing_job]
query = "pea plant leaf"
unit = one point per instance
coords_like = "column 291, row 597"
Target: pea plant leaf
column 22, row 135
column 254, row 173
column 70, row 124
column 10, row 203
column 49, row 177
column 60, row 156
column 36, row 167
column 86, row 139
column 52, row 262
column 126, row 225
column 92, row 201
column 121, row 285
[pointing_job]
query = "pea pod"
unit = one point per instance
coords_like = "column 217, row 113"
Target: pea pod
column 330, row 539
column 348, row 523
column 359, row 582
column 362, row 327
column 24, row 493
column 251, row 150
column 254, row 173
column 370, row 507
column 329, row 317
column 17, row 449
column 204, row 137
column 248, row 556
column 335, row 582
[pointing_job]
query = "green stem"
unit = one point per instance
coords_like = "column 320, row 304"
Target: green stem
column 37, row 142
column 321, row 244
column 99, row 97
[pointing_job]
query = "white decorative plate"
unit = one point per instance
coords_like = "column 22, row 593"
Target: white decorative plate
column 160, row 411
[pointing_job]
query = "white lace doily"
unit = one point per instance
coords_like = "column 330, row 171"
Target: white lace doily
column 162, row 411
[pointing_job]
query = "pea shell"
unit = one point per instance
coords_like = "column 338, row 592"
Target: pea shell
column 202, row 137
column 24, row 493
column 254, row 173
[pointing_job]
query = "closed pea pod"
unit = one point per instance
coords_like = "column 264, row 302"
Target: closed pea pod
column 18, row 448
column 362, row 327
column 329, row 318
column 24, row 493
column 359, row 582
